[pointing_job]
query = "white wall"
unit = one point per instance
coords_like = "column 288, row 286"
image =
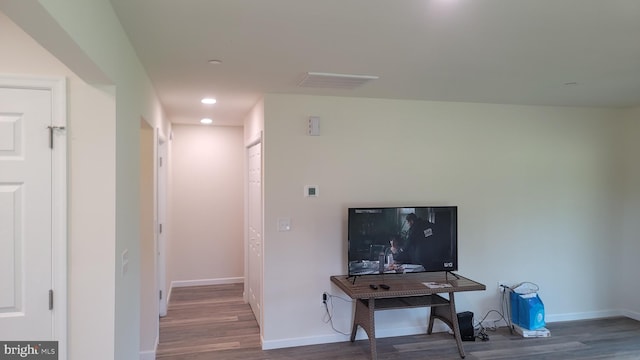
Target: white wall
column 94, row 27
column 535, row 187
column 91, row 191
column 207, row 205
column 87, row 36
column 627, row 293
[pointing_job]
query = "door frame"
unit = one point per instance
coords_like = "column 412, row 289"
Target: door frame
column 58, row 90
column 161, row 219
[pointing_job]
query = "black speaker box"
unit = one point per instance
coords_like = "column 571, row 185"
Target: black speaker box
column 465, row 323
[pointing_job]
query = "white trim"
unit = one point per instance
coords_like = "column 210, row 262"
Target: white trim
column 303, row 341
column 59, row 186
column 147, row 355
column 631, row 314
column 551, row 318
column 438, row 327
column 583, row 315
column 58, row 88
column 160, row 149
column 203, row 282
column 150, row 355
column 255, row 141
column 360, row 335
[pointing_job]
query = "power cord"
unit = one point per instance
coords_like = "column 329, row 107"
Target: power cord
column 505, row 308
column 481, row 330
column 327, row 301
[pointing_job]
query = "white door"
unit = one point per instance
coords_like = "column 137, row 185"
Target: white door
column 255, row 231
column 25, row 214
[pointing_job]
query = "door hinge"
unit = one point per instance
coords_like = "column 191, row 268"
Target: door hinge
column 160, row 294
column 51, row 130
column 160, row 161
column 160, row 228
column 51, row 299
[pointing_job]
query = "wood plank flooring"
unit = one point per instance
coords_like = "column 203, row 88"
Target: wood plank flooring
column 213, row 322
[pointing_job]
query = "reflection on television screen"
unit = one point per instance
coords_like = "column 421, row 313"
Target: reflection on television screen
column 402, row 239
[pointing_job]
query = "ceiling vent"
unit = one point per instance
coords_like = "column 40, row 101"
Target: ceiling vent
column 334, row 81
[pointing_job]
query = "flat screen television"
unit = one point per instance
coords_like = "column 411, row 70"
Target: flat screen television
column 402, row 239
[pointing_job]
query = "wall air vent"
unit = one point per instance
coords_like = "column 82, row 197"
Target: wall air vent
column 334, row 81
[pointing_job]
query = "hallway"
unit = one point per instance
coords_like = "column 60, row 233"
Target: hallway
column 203, row 322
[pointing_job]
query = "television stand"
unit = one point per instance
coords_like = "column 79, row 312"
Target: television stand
column 406, row 291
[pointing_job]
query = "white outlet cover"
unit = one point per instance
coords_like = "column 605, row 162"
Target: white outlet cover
column 284, row 224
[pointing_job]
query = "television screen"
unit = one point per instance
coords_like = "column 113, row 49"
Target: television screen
column 402, row 239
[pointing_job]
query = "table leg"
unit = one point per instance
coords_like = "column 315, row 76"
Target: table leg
column 456, row 326
column 448, row 315
column 365, row 317
column 431, row 318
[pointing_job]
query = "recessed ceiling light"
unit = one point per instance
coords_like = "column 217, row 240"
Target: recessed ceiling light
column 206, row 121
column 208, row 101
column 215, row 61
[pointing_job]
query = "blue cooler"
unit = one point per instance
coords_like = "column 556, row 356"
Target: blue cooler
column 514, row 305
column 527, row 310
column 531, row 312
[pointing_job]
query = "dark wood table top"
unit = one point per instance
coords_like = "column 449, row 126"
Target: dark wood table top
column 408, row 284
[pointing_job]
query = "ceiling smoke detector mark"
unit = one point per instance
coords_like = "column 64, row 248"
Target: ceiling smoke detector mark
column 335, row 81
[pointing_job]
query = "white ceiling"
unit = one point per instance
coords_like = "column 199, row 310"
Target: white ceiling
column 538, row 52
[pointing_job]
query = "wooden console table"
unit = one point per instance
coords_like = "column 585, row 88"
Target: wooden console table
column 405, row 291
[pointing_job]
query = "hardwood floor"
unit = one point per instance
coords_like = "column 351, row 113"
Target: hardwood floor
column 213, row 322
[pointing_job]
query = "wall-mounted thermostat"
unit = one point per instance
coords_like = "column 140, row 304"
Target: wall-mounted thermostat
column 311, row 191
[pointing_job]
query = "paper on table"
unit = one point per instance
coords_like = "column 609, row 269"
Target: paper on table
column 435, row 285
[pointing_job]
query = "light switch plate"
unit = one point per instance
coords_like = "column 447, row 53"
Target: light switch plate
column 284, row 224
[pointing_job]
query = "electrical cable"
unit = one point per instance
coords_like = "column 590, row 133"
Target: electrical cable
column 504, row 303
column 328, row 317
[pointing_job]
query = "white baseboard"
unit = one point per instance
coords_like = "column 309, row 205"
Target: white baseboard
column 551, row 318
column 438, row 327
column 631, row 314
column 150, row 355
column 203, row 282
column 583, row 315
column 303, row 341
column 147, row 355
column 360, row 335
